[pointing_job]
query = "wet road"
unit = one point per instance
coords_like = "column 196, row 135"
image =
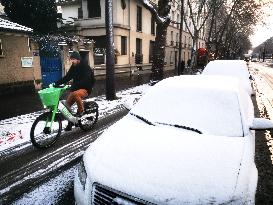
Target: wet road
column 263, row 85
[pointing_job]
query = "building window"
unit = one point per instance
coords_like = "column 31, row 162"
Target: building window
column 123, row 45
column 138, row 56
column 151, row 50
column 172, row 18
column 80, row 13
column 1, row 48
column 178, row 21
column 177, row 39
column 171, row 57
column 139, row 46
column 139, row 18
column 94, row 9
column 172, row 38
column 153, row 25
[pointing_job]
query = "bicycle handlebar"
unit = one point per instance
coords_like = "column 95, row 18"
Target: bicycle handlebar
column 64, row 86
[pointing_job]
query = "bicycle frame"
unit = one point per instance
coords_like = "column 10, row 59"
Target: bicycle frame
column 47, row 127
column 62, row 108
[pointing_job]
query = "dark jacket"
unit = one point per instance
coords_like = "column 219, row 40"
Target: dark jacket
column 82, row 76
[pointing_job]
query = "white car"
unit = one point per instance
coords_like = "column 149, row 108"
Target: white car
column 234, row 68
column 188, row 140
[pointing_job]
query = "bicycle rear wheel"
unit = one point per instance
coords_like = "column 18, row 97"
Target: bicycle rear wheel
column 42, row 136
column 89, row 119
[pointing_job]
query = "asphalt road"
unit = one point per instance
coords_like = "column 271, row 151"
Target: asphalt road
column 264, row 140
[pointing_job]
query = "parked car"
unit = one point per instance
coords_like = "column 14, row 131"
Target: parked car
column 254, row 59
column 235, row 68
column 188, row 140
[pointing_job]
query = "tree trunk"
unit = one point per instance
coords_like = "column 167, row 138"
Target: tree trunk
column 193, row 64
column 159, row 51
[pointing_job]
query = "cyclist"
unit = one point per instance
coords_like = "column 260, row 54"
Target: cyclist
column 83, row 82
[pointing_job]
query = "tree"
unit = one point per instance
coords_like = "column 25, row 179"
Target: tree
column 195, row 17
column 40, row 15
column 230, row 25
column 161, row 12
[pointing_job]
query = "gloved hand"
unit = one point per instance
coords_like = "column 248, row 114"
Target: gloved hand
column 52, row 85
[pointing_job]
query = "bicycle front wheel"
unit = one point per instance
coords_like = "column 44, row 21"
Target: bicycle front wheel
column 43, row 136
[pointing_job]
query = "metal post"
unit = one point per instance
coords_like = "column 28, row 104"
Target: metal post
column 180, row 70
column 110, row 55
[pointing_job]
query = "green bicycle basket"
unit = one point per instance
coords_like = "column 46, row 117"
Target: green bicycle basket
column 50, row 96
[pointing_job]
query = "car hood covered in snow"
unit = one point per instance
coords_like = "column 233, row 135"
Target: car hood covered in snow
column 165, row 165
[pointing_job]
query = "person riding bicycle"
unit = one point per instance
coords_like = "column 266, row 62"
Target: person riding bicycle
column 83, row 82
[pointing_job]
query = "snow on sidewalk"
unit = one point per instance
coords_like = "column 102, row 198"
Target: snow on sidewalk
column 15, row 131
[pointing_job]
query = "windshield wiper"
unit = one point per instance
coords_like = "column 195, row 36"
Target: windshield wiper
column 143, row 119
column 181, row 126
column 161, row 123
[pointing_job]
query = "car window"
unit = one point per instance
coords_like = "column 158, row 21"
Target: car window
column 210, row 111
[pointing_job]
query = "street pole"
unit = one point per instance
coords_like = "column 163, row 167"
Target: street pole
column 180, row 70
column 110, row 56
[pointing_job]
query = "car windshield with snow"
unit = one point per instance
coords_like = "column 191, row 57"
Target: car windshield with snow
column 234, row 68
column 188, row 140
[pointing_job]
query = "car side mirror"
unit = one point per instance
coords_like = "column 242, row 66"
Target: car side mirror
column 261, row 124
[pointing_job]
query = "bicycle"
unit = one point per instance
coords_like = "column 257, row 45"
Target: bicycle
column 48, row 126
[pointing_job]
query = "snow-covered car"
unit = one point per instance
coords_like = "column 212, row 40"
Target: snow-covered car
column 235, row 68
column 188, row 140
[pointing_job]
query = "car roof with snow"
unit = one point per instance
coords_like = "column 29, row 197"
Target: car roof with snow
column 207, row 103
column 236, row 68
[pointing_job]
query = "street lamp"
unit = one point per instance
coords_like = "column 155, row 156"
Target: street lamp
column 264, row 52
column 110, row 55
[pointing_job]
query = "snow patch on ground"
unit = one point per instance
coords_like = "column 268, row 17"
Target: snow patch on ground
column 50, row 192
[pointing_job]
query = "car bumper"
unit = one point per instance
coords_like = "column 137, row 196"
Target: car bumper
column 79, row 192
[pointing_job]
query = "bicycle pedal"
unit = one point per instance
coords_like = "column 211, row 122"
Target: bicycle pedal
column 47, row 130
column 68, row 128
column 90, row 118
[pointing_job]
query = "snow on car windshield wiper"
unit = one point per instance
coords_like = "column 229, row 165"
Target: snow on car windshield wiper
column 161, row 123
column 142, row 118
column 181, row 126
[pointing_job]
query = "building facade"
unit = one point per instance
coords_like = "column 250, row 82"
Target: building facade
column 18, row 67
column 134, row 30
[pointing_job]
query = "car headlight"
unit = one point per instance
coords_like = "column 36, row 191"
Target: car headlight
column 82, row 174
